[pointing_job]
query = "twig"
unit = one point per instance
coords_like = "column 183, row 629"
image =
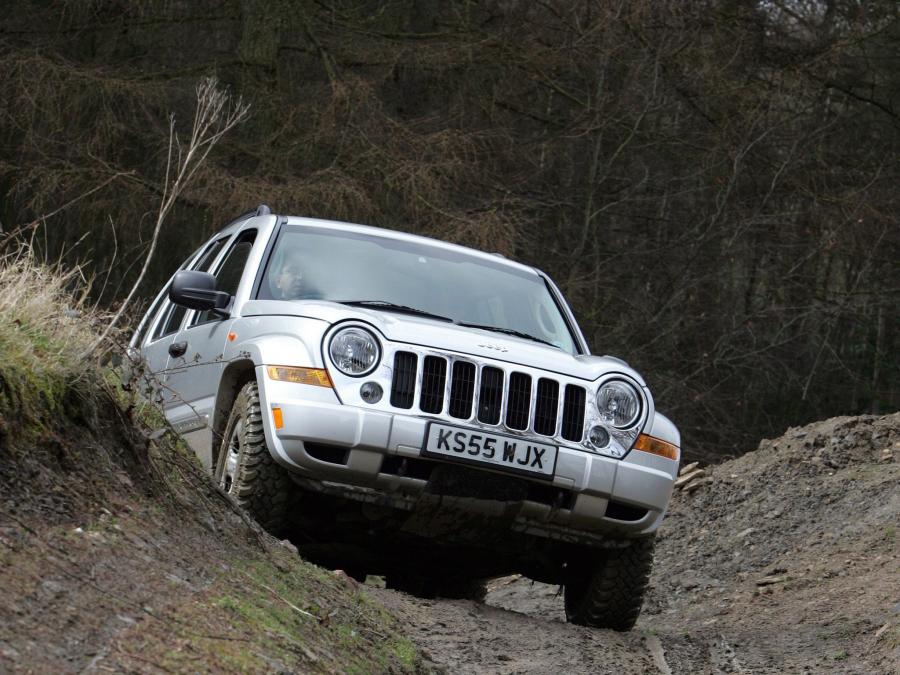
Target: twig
column 214, row 116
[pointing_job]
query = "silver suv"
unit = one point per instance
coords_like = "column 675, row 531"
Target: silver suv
column 401, row 406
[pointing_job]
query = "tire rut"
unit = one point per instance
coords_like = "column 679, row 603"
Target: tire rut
column 461, row 636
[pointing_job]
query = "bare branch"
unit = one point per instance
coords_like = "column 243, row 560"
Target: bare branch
column 216, row 114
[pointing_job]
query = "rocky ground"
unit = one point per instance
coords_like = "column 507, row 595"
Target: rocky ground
column 785, row 560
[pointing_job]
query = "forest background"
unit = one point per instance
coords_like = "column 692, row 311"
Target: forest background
column 713, row 184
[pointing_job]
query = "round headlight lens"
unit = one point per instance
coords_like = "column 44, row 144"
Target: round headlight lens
column 619, row 404
column 354, row 351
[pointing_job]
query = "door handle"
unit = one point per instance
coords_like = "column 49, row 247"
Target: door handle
column 177, row 349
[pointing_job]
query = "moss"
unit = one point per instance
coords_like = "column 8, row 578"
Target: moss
column 303, row 613
column 405, row 652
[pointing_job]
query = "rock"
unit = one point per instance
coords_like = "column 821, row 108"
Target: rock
column 744, row 533
column 51, row 587
column 697, row 484
column 688, row 468
column 346, row 578
column 770, row 580
column 688, row 477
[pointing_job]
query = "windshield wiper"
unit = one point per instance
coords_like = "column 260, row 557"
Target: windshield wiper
column 508, row 331
column 391, row 307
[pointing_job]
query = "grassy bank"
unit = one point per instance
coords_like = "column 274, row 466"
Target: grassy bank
column 116, row 551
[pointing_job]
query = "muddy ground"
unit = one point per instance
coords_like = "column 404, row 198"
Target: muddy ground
column 786, row 562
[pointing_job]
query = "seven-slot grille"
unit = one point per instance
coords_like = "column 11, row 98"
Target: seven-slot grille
column 531, row 403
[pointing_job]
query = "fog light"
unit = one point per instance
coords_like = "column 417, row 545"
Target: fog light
column 371, row 392
column 599, row 437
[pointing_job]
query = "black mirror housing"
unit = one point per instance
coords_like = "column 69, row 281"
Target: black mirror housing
column 197, row 290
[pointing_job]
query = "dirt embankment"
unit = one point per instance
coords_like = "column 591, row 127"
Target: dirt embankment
column 117, row 555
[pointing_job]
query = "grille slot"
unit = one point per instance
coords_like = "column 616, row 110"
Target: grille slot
column 403, row 388
column 545, row 407
column 519, row 401
column 573, row 413
column 462, row 390
column 490, row 397
column 434, row 378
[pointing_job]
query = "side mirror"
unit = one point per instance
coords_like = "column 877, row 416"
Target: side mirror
column 197, row 290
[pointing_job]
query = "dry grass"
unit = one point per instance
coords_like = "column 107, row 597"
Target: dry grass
column 45, row 322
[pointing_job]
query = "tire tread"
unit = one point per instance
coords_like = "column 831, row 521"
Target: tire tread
column 610, row 592
column 262, row 487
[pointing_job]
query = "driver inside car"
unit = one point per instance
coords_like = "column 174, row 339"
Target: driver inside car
column 287, row 281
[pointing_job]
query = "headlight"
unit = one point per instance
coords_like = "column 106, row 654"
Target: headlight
column 354, row 351
column 619, row 404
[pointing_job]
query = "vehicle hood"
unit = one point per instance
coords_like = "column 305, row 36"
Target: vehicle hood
column 448, row 337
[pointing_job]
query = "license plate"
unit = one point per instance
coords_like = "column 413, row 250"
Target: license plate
column 495, row 450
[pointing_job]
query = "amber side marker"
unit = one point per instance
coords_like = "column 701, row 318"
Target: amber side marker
column 656, row 447
column 278, row 418
column 314, row 376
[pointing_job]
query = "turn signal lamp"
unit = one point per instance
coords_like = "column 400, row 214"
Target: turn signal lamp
column 314, row 376
column 656, row 446
column 278, row 418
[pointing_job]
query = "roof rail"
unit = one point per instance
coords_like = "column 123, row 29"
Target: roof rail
column 261, row 210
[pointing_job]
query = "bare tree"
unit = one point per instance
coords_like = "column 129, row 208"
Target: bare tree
column 216, row 113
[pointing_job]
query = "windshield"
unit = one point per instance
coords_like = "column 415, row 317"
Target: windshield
column 387, row 274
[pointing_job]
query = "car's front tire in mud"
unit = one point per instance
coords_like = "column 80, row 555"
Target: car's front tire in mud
column 606, row 588
column 245, row 469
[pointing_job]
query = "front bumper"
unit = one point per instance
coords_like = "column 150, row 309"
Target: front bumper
column 356, row 453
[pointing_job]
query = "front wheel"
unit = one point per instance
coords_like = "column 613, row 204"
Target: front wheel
column 606, row 588
column 245, row 469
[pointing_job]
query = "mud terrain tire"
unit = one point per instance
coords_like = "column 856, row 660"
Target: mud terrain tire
column 245, row 469
column 607, row 589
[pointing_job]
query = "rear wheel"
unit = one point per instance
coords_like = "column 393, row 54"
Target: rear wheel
column 606, row 589
column 245, row 469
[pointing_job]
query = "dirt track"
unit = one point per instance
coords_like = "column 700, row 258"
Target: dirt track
column 467, row 637
column 787, row 562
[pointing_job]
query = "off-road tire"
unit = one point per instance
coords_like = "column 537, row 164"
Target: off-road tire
column 606, row 590
column 256, row 482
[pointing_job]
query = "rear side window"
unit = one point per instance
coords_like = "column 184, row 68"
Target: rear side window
column 148, row 320
column 209, row 255
column 171, row 322
column 228, row 277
